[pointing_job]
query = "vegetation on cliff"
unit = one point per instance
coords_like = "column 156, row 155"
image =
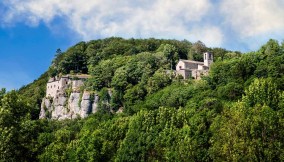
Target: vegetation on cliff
column 234, row 114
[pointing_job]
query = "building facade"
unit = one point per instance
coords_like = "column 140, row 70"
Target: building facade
column 194, row 69
column 59, row 84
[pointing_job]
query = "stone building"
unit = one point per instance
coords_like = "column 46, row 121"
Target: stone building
column 58, row 84
column 194, row 69
column 61, row 105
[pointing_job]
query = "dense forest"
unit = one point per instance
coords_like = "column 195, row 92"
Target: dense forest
column 236, row 113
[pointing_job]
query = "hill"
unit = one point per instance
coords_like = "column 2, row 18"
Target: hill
column 233, row 114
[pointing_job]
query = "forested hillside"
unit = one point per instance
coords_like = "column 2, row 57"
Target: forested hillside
column 234, row 114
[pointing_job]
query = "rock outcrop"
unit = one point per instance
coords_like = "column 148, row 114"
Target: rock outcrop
column 64, row 107
column 65, row 99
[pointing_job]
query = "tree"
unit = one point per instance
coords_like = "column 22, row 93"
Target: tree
column 159, row 80
column 14, row 127
column 219, row 53
column 2, row 93
column 249, row 129
column 171, row 54
column 58, row 57
column 264, row 92
column 74, row 61
column 271, row 48
column 196, row 51
column 245, row 133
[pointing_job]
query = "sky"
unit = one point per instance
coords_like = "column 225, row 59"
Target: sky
column 32, row 30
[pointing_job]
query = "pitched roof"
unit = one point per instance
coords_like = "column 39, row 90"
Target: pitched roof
column 81, row 76
column 191, row 61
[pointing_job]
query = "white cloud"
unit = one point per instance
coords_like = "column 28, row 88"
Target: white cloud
column 215, row 24
column 253, row 17
column 126, row 18
column 209, row 35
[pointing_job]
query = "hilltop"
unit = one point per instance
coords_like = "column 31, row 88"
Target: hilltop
column 235, row 113
column 136, row 57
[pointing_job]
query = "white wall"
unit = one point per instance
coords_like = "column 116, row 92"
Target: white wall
column 51, row 88
column 200, row 67
column 208, row 58
column 180, row 65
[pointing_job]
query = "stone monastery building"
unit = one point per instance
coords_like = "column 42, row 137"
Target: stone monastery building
column 59, row 84
column 194, row 69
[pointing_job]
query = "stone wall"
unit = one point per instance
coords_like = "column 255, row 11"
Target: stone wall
column 197, row 74
column 180, row 65
column 184, row 73
column 59, row 105
column 55, row 85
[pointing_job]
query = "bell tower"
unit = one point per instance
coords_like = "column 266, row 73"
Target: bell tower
column 208, row 58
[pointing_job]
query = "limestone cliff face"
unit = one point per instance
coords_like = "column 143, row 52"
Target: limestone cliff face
column 65, row 100
column 64, row 107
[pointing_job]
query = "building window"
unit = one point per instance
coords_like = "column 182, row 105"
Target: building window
column 179, row 67
column 205, row 56
column 58, row 87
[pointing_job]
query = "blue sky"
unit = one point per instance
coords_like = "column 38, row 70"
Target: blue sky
column 32, row 30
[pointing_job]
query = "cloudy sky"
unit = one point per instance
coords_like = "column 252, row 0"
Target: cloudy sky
column 32, row 30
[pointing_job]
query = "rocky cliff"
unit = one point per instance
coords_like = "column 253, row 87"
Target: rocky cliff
column 68, row 101
column 64, row 107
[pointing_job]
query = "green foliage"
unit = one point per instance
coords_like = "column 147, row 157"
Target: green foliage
column 166, row 134
column 34, row 93
column 263, row 92
column 175, row 95
column 158, row 81
column 16, row 129
column 248, row 134
column 234, row 114
column 249, row 130
column 170, row 53
column 2, row 93
column 74, row 62
column 196, row 51
column 104, row 104
column 230, row 91
column 104, row 71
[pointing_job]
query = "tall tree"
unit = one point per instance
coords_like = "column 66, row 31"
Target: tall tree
column 14, row 113
column 171, row 54
column 196, row 51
